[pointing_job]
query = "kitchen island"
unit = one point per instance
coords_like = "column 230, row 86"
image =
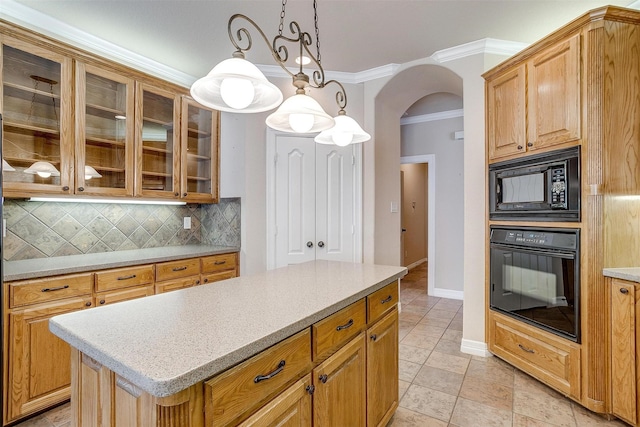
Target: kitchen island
column 181, row 358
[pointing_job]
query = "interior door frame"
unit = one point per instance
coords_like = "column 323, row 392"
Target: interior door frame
column 270, row 194
column 430, row 159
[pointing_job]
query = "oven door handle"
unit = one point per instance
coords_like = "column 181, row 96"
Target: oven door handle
column 534, row 251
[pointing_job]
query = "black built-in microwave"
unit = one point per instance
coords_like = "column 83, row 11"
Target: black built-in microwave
column 539, row 187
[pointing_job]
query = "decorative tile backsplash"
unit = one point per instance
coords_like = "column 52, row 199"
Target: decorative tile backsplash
column 47, row 229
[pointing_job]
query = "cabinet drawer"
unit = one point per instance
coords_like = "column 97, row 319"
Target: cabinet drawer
column 330, row 333
column 174, row 285
column 381, row 300
column 40, row 290
column 215, row 263
column 234, row 394
column 215, row 277
column 176, row 269
column 110, row 297
column 123, row 277
column 552, row 360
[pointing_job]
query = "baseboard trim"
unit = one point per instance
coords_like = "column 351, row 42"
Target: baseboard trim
column 448, row 293
column 417, row 263
column 475, row 348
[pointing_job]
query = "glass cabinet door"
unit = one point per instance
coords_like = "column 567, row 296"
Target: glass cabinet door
column 36, row 101
column 157, row 143
column 104, row 132
column 199, row 155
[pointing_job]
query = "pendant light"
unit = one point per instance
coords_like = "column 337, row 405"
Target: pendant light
column 6, row 167
column 236, row 85
column 43, row 170
column 90, row 173
column 346, row 131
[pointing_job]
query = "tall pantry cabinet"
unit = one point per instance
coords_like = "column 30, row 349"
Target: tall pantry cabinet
column 578, row 86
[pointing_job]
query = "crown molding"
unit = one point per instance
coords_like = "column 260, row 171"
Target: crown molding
column 431, row 117
column 26, row 17
column 483, row 46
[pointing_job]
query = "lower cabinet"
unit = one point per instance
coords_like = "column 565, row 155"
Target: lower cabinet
column 625, row 337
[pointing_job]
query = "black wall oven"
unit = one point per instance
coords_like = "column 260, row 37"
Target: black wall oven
column 534, row 277
column 539, row 187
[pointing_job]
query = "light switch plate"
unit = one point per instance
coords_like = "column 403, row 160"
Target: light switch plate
column 394, row 207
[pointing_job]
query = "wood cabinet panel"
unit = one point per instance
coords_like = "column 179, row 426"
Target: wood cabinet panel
column 292, row 408
column 176, row 284
column 330, row 333
column 217, row 263
column 382, row 370
column 27, row 292
column 340, row 395
column 234, row 394
column 118, row 295
column 124, row 277
column 381, row 301
column 176, row 269
column 216, row 277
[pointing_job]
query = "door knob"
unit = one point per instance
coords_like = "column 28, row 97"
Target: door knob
column 309, row 244
column 321, row 244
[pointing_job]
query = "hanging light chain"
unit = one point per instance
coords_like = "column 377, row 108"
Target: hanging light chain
column 315, row 22
column 282, row 15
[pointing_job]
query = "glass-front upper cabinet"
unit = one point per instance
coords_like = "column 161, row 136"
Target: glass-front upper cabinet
column 158, row 143
column 105, row 127
column 37, row 128
column 199, row 155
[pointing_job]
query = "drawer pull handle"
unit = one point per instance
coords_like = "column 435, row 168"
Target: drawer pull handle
column 528, row 350
column 179, row 268
column 323, row 378
column 345, row 326
column 59, row 288
column 386, row 300
column 131, row 276
column 271, row 375
column 310, row 389
column 374, row 337
column 220, row 262
column 624, row 290
column 102, row 301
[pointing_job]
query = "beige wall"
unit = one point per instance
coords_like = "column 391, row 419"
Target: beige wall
column 414, row 212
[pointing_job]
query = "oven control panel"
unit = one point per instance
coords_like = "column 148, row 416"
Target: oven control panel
column 558, row 188
column 556, row 239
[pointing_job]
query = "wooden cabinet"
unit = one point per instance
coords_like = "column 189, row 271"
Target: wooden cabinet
column 340, row 387
column 331, row 333
column 219, row 267
column 536, row 104
column 37, row 118
column 625, row 337
column 382, row 370
column 123, row 133
column 174, row 275
column 123, row 284
column 199, row 152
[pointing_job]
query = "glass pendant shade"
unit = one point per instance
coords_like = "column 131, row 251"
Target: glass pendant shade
column 43, row 169
column 6, row 167
column 346, row 131
column 90, row 172
column 237, row 86
column 300, row 114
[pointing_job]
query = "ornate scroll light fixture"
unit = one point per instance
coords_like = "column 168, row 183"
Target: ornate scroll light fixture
column 236, row 85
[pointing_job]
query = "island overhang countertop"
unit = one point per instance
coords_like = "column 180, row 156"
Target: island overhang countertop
column 165, row 343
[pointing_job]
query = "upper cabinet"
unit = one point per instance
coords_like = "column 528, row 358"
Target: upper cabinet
column 536, row 104
column 76, row 124
column 37, row 119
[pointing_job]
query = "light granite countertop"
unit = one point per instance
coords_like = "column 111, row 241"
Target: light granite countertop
column 165, row 343
column 630, row 273
column 44, row 267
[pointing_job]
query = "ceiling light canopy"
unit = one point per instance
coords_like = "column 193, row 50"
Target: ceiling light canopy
column 236, row 85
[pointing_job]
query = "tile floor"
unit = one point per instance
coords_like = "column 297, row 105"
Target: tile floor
column 439, row 385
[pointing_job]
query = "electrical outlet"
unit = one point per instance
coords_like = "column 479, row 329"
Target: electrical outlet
column 187, row 222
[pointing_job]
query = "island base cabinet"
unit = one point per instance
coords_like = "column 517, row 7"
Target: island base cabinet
column 340, row 396
column 382, row 370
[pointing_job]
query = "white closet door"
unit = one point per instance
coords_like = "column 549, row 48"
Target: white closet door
column 334, row 203
column 295, row 200
column 314, row 201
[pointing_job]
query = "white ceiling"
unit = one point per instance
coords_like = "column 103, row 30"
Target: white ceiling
column 355, row 35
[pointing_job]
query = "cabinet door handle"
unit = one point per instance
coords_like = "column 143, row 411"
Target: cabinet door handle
column 520, row 147
column 88, row 304
column 80, row 188
column 278, row 369
column 179, row 268
column 345, row 326
column 131, row 276
column 323, row 378
column 65, row 188
column 529, row 144
column 59, row 288
column 386, row 300
column 624, row 290
column 102, row 301
column 206, row 280
column 374, row 337
column 528, row 350
column 220, row 262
